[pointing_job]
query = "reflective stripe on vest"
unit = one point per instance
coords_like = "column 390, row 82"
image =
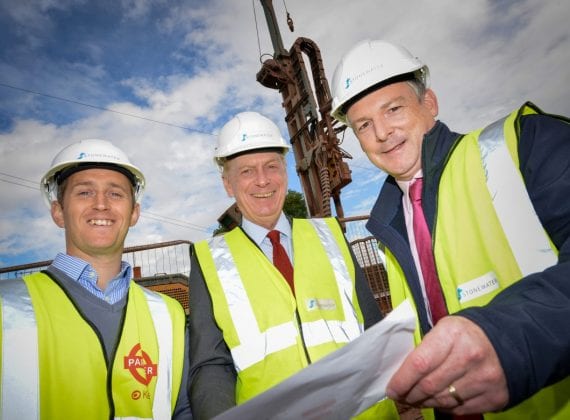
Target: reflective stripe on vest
column 531, row 247
column 255, row 345
column 163, row 330
column 343, row 332
column 20, row 376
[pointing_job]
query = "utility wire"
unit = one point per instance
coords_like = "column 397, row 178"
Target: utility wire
column 181, row 223
column 154, row 216
column 72, row 101
column 256, row 28
column 19, row 184
column 17, row 177
column 190, row 224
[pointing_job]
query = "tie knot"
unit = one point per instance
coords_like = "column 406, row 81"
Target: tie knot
column 274, row 237
column 416, row 189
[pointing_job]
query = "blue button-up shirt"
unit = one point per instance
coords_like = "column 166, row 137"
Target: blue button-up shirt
column 84, row 274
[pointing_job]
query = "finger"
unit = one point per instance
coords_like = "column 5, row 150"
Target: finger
column 452, row 351
column 467, row 395
column 474, row 405
column 430, row 354
column 449, row 398
column 478, row 404
column 431, row 388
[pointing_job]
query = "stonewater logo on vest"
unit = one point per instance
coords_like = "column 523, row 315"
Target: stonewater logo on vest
column 322, row 304
column 477, row 287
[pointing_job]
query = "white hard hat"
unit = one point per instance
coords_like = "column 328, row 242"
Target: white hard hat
column 368, row 64
column 86, row 154
column 248, row 131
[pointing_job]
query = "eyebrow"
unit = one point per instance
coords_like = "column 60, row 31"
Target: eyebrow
column 391, row 101
column 383, row 106
column 254, row 165
column 91, row 184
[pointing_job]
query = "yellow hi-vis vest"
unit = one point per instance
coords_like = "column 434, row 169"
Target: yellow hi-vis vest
column 271, row 333
column 53, row 361
column 488, row 237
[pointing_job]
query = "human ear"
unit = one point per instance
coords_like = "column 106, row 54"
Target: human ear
column 135, row 214
column 57, row 214
column 430, row 101
column 227, row 186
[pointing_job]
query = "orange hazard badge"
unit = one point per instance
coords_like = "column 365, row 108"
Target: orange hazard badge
column 139, row 364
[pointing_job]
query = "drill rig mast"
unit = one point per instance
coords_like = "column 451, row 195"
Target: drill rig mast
column 318, row 157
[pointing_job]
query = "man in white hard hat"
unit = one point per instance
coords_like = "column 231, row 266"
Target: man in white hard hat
column 251, row 324
column 474, row 225
column 81, row 340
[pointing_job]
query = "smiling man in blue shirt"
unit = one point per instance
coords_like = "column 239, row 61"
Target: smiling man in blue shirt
column 80, row 339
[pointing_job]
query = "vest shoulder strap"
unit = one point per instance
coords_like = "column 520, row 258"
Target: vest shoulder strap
column 163, row 329
column 20, row 376
column 531, row 246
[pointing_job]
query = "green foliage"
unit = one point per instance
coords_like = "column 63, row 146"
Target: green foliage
column 294, row 206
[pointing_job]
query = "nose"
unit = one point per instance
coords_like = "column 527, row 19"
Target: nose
column 101, row 201
column 261, row 179
column 382, row 130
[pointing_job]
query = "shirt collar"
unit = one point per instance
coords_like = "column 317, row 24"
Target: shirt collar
column 405, row 185
column 258, row 233
column 75, row 268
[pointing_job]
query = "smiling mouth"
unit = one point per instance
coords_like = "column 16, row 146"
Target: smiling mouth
column 100, row 222
column 395, row 147
column 264, row 195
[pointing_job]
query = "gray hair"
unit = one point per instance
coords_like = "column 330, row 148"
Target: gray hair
column 418, row 87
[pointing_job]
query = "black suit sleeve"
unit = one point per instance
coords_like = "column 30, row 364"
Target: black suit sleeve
column 212, row 372
column 182, row 409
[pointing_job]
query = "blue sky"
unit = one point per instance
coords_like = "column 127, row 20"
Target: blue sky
column 173, row 72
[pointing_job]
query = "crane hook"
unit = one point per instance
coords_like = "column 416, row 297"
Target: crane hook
column 290, row 23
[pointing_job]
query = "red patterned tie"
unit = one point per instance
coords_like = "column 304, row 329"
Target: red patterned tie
column 280, row 258
column 425, row 253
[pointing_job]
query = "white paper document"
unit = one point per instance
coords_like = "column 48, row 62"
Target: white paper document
column 342, row 384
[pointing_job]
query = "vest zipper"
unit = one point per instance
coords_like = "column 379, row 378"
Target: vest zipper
column 298, row 317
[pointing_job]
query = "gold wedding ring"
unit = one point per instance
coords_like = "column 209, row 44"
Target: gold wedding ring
column 453, row 392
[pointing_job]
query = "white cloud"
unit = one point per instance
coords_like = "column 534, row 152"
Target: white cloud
column 486, row 58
